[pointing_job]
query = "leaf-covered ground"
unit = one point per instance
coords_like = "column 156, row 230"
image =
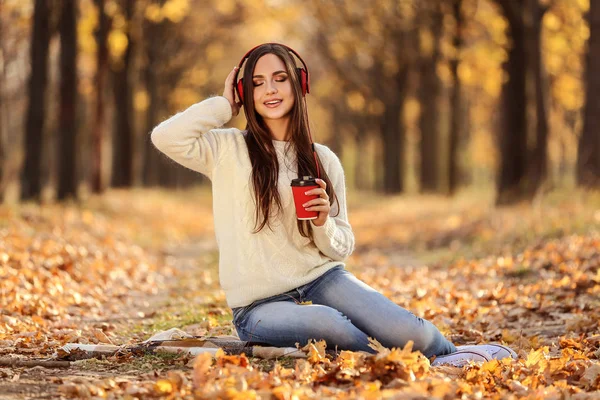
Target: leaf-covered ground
column 119, row 268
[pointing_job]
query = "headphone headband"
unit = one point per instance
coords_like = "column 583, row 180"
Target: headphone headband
column 303, row 75
column 304, row 79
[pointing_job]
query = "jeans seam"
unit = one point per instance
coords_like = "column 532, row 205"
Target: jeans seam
column 252, row 335
column 243, row 315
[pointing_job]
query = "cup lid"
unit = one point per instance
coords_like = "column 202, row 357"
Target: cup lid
column 306, row 180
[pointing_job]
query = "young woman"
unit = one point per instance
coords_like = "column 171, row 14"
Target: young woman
column 271, row 263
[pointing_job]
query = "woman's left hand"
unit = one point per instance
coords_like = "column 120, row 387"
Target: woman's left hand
column 320, row 204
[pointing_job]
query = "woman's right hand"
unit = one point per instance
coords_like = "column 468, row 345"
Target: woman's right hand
column 229, row 93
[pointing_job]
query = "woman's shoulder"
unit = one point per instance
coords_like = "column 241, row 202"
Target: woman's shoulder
column 331, row 162
column 327, row 155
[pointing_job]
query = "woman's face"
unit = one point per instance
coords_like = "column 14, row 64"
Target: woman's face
column 273, row 93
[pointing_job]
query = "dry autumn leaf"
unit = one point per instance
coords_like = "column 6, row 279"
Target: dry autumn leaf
column 202, row 365
column 541, row 298
column 316, row 351
column 591, row 377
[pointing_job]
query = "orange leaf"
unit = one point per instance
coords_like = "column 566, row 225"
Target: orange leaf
column 202, row 365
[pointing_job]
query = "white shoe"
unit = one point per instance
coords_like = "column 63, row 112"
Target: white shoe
column 496, row 351
column 462, row 357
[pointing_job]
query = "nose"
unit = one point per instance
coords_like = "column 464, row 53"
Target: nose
column 271, row 89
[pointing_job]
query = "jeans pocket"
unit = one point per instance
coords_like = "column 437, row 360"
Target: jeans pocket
column 239, row 314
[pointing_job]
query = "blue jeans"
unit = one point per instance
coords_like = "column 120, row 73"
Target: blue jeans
column 344, row 312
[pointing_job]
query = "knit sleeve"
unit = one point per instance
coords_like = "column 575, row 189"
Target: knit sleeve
column 190, row 137
column 335, row 238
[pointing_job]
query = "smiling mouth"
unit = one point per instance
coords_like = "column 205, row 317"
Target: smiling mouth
column 273, row 103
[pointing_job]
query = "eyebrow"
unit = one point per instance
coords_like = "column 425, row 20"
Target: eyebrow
column 274, row 73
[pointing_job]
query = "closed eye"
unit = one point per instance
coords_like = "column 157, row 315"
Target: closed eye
column 282, row 79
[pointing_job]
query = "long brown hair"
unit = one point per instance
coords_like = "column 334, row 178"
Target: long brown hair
column 263, row 157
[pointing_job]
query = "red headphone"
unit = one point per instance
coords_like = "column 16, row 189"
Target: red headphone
column 304, row 82
column 302, row 72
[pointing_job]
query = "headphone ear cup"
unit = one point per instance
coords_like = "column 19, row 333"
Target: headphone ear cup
column 303, row 81
column 240, row 89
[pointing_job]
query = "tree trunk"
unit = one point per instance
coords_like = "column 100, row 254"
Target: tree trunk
column 588, row 154
column 3, row 131
column 523, row 172
column 538, row 162
column 168, row 171
column 393, row 134
column 392, row 139
column 151, row 156
column 122, row 170
column 429, row 96
column 455, row 101
column 158, row 170
column 513, row 135
column 67, row 126
column 99, row 128
column 31, row 185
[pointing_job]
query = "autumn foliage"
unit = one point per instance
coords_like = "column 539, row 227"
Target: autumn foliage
column 109, row 272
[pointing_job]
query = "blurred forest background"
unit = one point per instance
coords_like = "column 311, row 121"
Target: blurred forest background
column 414, row 96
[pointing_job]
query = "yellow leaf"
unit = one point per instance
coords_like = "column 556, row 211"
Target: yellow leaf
column 176, row 10
column 117, row 43
column 536, row 356
column 508, row 337
column 163, row 386
column 355, row 100
column 490, row 366
column 153, row 13
column 584, row 5
column 378, row 347
column 220, row 353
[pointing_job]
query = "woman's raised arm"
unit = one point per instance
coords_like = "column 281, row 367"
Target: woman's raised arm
column 189, row 137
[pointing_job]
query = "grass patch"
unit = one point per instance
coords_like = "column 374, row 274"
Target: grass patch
column 180, row 317
column 268, row 365
column 137, row 364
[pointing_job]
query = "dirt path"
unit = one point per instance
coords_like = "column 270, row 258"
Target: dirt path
column 480, row 276
column 190, row 300
column 143, row 315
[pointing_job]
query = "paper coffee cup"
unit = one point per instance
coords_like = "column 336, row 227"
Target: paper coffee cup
column 299, row 187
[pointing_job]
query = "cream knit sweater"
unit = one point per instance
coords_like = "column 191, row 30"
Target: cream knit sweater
column 273, row 261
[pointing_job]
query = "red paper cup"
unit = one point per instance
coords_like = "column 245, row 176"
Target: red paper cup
column 299, row 187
